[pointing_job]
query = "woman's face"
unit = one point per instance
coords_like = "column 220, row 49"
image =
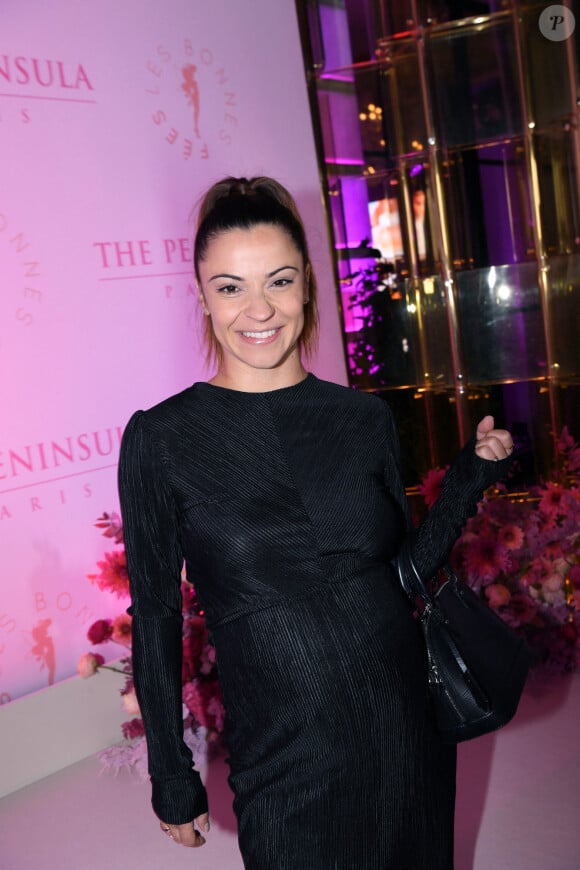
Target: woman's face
column 254, row 285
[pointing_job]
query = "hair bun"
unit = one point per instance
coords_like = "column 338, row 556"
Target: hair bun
column 241, row 187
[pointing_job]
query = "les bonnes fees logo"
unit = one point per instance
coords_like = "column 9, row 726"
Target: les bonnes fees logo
column 194, row 104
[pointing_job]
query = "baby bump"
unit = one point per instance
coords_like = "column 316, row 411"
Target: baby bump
column 309, row 675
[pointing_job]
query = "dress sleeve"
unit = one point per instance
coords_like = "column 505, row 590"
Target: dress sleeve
column 462, row 489
column 154, row 561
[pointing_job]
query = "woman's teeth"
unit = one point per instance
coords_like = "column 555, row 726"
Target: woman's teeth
column 267, row 334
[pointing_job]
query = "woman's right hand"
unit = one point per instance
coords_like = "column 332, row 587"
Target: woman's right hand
column 188, row 835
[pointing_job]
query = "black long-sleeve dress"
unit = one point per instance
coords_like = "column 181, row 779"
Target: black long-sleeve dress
column 288, row 507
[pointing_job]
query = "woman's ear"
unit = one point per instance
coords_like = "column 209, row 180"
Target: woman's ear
column 202, row 301
column 307, row 272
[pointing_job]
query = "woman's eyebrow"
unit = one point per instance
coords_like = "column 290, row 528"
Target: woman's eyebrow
column 225, row 275
column 281, row 269
column 239, row 278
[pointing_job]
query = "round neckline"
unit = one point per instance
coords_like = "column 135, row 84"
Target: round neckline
column 277, row 391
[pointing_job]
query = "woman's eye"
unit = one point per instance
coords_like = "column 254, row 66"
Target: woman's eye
column 282, row 282
column 228, row 289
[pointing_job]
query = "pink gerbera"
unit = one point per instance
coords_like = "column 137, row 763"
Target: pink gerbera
column 511, row 537
column 430, row 486
column 485, row 558
column 114, row 576
column 121, row 629
column 551, row 500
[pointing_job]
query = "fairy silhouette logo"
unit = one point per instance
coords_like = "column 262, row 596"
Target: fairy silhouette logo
column 194, row 103
column 43, row 647
column 190, row 88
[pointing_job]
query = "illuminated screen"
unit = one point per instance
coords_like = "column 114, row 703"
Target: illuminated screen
column 386, row 228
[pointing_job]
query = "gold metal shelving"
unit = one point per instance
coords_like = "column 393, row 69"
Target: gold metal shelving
column 479, row 114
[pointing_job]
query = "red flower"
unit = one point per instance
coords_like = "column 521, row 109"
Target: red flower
column 100, row 631
column 132, row 729
column 114, row 576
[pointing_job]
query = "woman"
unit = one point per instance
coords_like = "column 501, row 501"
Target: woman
column 283, row 494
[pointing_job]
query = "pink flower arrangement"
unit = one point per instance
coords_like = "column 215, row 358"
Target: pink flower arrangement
column 203, row 711
column 522, row 553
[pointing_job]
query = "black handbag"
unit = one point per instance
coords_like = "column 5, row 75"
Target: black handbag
column 477, row 664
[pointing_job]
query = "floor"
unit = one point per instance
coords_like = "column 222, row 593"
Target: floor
column 518, row 806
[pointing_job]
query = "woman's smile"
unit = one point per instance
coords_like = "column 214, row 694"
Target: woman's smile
column 261, row 337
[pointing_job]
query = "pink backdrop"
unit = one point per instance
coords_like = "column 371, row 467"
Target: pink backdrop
column 114, row 117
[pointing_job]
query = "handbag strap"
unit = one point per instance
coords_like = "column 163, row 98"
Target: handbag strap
column 409, row 576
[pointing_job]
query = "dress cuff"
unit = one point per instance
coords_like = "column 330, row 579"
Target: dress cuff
column 471, row 475
column 462, row 489
column 178, row 800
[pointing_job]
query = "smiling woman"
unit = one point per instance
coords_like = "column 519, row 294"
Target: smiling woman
column 283, row 494
column 253, row 286
column 251, row 245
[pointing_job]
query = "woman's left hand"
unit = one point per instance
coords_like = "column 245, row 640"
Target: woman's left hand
column 188, row 834
column 493, row 444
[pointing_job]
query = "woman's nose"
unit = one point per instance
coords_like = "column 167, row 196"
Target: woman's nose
column 259, row 307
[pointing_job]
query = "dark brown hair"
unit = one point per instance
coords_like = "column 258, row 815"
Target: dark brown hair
column 241, row 203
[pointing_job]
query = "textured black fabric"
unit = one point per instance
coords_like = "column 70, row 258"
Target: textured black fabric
column 288, row 507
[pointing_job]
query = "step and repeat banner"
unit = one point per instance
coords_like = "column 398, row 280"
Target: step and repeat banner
column 114, row 118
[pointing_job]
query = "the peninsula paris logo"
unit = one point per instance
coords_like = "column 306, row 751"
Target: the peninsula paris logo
column 29, row 82
column 42, row 78
column 193, row 100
